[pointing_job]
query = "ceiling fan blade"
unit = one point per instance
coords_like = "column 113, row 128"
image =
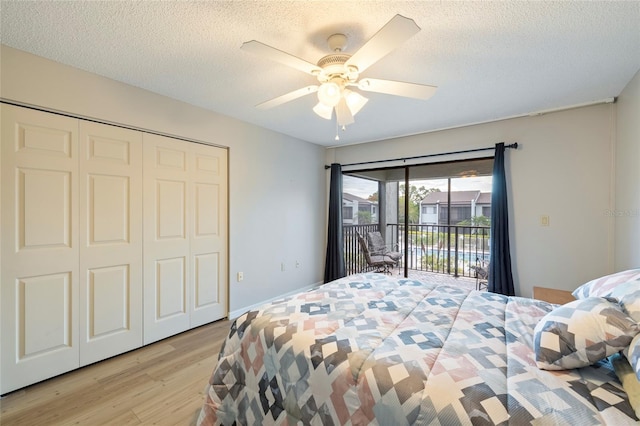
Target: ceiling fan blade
column 395, row 32
column 274, row 54
column 398, row 88
column 287, row 97
column 343, row 113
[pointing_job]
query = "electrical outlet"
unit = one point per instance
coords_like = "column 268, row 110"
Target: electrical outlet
column 544, row 220
column 297, row 263
column 240, row 276
column 282, row 267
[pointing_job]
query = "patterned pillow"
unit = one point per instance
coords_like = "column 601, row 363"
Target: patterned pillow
column 581, row 333
column 628, row 296
column 600, row 287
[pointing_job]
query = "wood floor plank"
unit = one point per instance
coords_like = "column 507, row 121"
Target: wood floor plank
column 183, row 401
column 129, row 361
column 162, row 383
column 173, row 407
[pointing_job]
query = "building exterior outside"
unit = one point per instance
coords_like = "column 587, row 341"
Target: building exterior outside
column 464, row 206
column 358, row 211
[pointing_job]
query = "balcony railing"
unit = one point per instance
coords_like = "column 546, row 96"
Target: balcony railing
column 354, row 260
column 445, row 249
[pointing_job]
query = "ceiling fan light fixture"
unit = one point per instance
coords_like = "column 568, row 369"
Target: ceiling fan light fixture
column 355, row 101
column 344, row 117
column 323, row 110
column 339, row 70
column 329, row 94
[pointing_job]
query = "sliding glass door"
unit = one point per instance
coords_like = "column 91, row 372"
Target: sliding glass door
column 436, row 215
column 449, row 234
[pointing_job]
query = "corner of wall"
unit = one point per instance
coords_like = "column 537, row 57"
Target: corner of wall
column 626, row 213
column 611, row 233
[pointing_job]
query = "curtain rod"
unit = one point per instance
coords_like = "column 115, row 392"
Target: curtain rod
column 513, row 145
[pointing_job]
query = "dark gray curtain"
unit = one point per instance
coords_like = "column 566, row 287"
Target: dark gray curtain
column 500, row 277
column 334, row 263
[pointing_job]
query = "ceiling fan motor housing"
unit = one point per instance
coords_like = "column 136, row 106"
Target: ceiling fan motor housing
column 333, row 67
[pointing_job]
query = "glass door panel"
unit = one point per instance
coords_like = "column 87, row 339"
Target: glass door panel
column 436, row 215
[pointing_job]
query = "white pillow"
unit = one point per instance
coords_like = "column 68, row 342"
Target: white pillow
column 582, row 333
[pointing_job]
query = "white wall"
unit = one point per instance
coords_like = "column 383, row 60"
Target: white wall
column 276, row 183
column 563, row 169
column 627, row 211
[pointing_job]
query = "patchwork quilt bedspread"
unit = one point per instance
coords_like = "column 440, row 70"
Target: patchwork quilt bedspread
column 373, row 349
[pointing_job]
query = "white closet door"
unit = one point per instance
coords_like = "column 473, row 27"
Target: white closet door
column 185, row 235
column 166, row 239
column 208, row 234
column 39, row 287
column 110, row 241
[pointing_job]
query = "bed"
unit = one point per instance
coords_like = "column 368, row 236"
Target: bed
column 375, row 349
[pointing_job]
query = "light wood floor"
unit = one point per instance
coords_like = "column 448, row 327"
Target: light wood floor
column 159, row 384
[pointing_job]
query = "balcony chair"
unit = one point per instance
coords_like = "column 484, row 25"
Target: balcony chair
column 377, row 247
column 481, row 269
column 381, row 263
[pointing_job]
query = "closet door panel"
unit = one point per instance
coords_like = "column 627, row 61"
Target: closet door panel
column 46, row 318
column 109, row 290
column 39, row 242
column 111, row 241
column 171, row 288
column 209, row 234
column 41, row 191
column 166, row 243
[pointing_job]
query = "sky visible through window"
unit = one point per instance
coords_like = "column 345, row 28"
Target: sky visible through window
column 363, row 188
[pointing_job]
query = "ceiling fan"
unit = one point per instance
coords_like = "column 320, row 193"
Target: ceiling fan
column 338, row 73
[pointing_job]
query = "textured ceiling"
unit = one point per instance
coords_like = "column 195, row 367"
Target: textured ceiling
column 490, row 60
